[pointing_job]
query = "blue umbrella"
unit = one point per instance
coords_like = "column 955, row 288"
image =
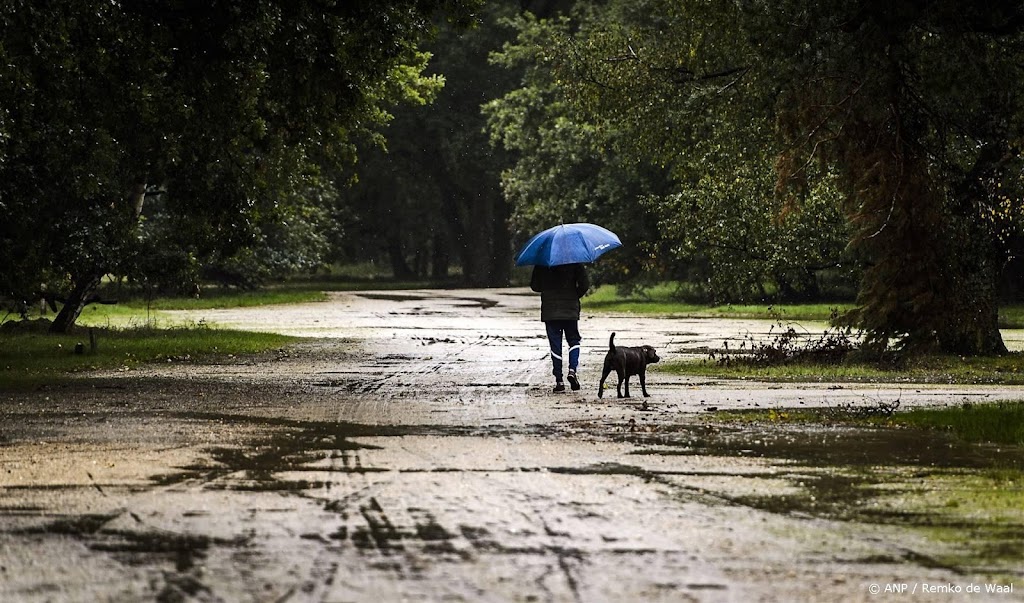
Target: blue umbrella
column 567, row 244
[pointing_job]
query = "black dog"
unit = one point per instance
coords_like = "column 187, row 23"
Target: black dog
column 627, row 362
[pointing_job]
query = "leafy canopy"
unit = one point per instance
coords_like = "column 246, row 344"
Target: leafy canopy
column 226, row 111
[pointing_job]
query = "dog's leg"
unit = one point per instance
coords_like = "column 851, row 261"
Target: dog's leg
column 643, row 383
column 604, row 375
column 623, row 376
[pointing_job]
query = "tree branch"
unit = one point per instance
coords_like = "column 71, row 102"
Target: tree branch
column 686, row 76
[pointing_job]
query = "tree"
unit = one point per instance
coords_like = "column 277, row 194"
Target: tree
column 917, row 106
column 600, row 135
column 566, row 168
column 910, row 111
column 226, row 110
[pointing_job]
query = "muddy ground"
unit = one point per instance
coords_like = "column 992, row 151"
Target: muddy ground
column 413, row 451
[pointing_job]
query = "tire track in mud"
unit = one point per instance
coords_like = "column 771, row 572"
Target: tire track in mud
column 423, row 516
column 561, row 563
column 412, row 537
column 441, row 368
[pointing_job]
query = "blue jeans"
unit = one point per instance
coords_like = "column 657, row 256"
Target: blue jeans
column 555, row 328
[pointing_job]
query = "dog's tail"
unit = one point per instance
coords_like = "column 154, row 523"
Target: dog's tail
column 611, row 342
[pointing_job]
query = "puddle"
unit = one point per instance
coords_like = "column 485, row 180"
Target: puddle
column 478, row 302
column 390, row 297
column 464, row 302
column 829, row 446
column 928, row 481
column 288, row 447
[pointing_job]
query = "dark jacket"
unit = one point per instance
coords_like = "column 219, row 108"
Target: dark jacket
column 560, row 288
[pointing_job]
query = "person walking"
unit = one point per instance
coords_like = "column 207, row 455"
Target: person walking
column 561, row 288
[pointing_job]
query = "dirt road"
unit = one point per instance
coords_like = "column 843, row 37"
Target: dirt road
column 414, row 452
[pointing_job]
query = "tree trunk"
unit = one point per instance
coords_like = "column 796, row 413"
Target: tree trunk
column 85, row 285
column 76, row 302
column 399, row 266
column 476, row 260
column 932, row 282
column 440, row 259
column 974, row 330
column 971, row 321
column 486, row 246
column 478, row 229
column 971, row 326
column 501, row 248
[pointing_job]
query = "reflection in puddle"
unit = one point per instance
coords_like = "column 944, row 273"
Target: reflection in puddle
column 816, row 445
column 462, row 302
column 292, row 446
column 967, row 496
column 390, row 297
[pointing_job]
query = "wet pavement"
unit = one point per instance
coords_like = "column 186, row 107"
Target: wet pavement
column 414, row 452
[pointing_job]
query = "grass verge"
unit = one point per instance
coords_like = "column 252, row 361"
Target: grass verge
column 141, row 312
column 955, row 476
column 29, row 356
column 662, row 300
column 993, row 423
column 665, row 299
column 227, row 298
column 998, row 423
column 1003, row 370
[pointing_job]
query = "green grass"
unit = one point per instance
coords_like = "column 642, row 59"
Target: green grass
column 136, row 313
column 220, row 298
column 998, row 423
column 29, row 357
column 1005, row 370
column 662, row 299
column 1011, row 316
column 990, row 423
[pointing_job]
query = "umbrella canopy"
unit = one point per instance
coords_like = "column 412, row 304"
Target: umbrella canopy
column 567, row 244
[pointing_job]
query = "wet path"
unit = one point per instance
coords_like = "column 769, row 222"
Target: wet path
column 416, row 454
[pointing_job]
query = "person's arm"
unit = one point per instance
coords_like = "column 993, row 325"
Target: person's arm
column 582, row 282
column 535, row 280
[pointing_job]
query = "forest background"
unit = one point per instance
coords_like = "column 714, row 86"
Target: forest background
column 749, row 151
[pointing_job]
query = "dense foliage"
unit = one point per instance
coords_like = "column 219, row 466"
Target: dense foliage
column 428, row 200
column 755, row 150
column 227, row 113
column 876, row 139
column 600, row 137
